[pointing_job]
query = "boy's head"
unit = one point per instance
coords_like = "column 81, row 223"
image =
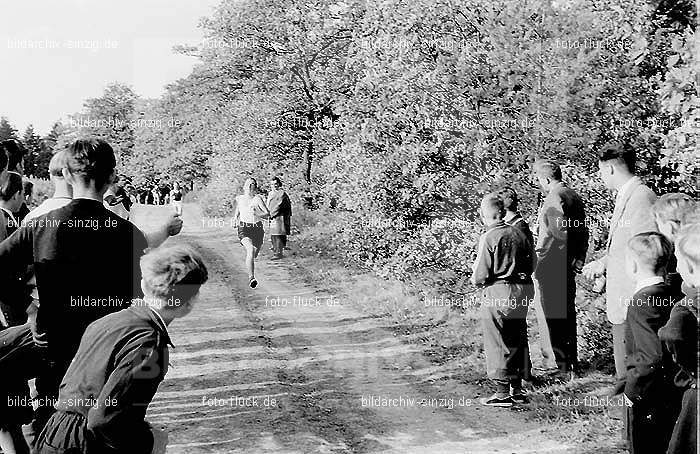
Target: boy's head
column 669, row 210
column 11, row 191
column 56, row 165
column 90, row 163
column 616, row 163
column 510, row 199
column 691, row 215
column 546, row 173
column 648, row 255
column 172, row 276
column 14, row 153
column 688, row 254
column 492, row 209
column 28, row 189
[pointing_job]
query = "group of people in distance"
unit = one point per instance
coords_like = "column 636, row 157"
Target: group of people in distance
column 650, row 271
column 163, row 195
column 86, row 299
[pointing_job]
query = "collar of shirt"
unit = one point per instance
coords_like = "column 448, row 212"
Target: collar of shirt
column 87, row 198
column 10, row 214
column 624, row 189
column 512, row 219
column 648, row 282
column 498, row 224
column 145, row 311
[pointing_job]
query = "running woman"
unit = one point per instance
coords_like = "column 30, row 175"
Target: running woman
column 250, row 211
column 176, row 199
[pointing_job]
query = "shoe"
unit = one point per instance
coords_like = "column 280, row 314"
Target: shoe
column 253, row 282
column 497, row 400
column 518, row 396
column 276, row 257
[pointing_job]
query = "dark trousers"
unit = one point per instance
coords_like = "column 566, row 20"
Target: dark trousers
column 278, row 243
column 649, row 425
column 558, row 298
column 503, row 312
column 685, row 431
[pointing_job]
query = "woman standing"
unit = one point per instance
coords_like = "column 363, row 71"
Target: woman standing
column 250, row 211
column 280, row 217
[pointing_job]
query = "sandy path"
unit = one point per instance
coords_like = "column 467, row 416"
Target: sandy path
column 290, row 369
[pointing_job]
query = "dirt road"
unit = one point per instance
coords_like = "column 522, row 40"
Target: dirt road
column 286, row 368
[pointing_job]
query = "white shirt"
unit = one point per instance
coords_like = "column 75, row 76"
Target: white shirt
column 248, row 208
column 47, row 205
column 647, row 282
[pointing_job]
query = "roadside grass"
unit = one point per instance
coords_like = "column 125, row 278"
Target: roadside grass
column 575, row 412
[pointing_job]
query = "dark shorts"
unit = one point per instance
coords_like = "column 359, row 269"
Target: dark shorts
column 255, row 232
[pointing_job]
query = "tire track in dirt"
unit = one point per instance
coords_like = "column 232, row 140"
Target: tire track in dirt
column 320, row 362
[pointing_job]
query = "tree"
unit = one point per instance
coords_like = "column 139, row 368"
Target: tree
column 32, row 143
column 109, row 117
column 7, row 131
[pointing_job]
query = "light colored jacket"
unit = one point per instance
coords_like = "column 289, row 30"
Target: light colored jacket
column 632, row 215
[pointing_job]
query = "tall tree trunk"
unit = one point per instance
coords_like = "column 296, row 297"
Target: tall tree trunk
column 307, row 159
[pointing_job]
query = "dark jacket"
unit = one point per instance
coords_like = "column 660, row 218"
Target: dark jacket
column 86, row 262
column 122, row 359
column 650, row 368
column 504, row 254
column 562, row 236
column 680, row 335
column 521, row 224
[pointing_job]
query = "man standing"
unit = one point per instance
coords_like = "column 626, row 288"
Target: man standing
column 633, row 214
column 562, row 243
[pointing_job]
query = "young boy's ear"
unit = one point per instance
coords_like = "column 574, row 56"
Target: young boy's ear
column 143, row 286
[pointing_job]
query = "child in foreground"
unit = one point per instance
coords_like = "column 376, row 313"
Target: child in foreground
column 652, row 400
column 680, row 335
column 121, row 360
column 669, row 211
column 503, row 268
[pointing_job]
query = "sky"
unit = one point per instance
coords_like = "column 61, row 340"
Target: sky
column 54, row 54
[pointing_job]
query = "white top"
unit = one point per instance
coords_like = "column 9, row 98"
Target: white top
column 47, row 205
column 249, row 207
column 647, row 282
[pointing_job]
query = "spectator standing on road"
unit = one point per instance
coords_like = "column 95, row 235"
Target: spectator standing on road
column 562, row 244
column 503, row 268
column 632, row 215
column 280, row 217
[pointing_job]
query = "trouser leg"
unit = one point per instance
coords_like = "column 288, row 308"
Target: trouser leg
column 558, row 298
column 504, row 308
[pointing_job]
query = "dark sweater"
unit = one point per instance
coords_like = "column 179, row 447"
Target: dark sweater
column 504, row 255
column 680, row 335
column 650, row 367
column 122, row 359
column 86, row 262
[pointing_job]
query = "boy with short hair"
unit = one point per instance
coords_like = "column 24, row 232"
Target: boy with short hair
column 680, row 335
column 503, row 268
column 122, row 359
column 652, row 401
column 669, row 211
